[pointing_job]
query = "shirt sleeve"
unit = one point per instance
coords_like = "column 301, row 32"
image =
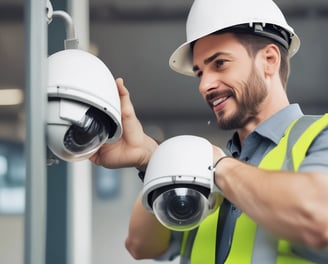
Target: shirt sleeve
column 317, row 156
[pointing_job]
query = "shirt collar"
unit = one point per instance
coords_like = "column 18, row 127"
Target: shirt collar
column 273, row 128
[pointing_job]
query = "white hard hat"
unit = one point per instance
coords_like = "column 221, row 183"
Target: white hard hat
column 209, row 16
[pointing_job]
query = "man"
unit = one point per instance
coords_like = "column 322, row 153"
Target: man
column 275, row 181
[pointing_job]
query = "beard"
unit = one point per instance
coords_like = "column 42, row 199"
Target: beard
column 254, row 91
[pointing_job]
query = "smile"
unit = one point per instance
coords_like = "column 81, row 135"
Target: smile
column 220, row 100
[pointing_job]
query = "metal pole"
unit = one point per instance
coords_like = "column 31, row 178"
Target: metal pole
column 35, row 101
column 79, row 173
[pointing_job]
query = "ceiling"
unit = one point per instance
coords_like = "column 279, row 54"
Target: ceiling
column 135, row 39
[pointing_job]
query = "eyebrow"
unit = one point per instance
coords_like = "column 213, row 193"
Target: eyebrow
column 208, row 60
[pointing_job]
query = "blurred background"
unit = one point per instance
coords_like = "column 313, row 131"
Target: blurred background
column 135, row 39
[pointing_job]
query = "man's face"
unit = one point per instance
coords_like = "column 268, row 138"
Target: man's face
column 229, row 80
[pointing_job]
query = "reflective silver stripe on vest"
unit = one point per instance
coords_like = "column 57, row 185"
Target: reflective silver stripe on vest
column 184, row 260
column 265, row 247
column 297, row 130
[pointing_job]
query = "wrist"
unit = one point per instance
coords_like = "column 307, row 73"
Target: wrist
column 220, row 171
column 151, row 145
column 219, row 160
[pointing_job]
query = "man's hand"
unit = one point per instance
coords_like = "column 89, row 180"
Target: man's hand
column 134, row 148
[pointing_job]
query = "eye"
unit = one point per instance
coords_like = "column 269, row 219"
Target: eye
column 219, row 63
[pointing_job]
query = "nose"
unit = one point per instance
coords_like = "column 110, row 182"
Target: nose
column 208, row 81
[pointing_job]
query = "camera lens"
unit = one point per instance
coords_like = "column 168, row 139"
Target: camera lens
column 180, row 208
column 95, row 130
column 83, row 135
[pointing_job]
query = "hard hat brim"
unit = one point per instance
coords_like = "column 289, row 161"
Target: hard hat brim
column 181, row 59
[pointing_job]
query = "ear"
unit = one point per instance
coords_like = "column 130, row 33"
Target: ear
column 271, row 55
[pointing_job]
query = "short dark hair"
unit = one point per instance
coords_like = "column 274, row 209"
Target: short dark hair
column 254, row 43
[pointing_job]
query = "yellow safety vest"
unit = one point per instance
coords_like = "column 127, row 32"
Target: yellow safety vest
column 288, row 154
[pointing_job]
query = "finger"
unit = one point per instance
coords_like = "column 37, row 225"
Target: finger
column 131, row 125
column 126, row 104
column 123, row 91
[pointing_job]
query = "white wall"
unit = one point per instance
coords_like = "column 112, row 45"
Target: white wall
column 11, row 239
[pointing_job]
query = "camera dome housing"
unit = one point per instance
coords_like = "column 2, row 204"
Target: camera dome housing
column 83, row 105
column 179, row 186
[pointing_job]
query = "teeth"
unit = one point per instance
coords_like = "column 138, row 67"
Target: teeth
column 220, row 100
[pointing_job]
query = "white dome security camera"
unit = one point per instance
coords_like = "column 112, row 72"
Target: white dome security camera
column 179, row 182
column 83, row 105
